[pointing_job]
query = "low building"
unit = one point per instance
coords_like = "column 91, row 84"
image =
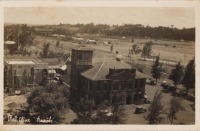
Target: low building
column 91, row 42
column 10, row 47
column 111, row 80
column 22, row 74
column 44, row 31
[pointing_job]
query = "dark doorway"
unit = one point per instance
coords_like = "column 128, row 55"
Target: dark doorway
column 128, row 99
column 135, row 97
column 97, row 99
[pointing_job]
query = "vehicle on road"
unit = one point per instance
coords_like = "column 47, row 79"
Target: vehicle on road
column 140, row 109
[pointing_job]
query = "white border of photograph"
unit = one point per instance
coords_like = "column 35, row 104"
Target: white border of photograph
column 61, row 3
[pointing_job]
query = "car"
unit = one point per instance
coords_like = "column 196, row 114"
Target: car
column 164, row 83
column 147, row 101
column 140, row 109
column 152, row 82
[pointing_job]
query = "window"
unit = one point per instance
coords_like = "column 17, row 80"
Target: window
column 32, row 71
column 98, row 86
column 129, row 85
column 80, row 56
column 115, row 85
column 83, row 55
column 105, row 85
column 143, row 81
column 136, row 83
column 87, row 55
column 121, row 85
column 140, row 83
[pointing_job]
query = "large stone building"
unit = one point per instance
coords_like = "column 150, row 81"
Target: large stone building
column 23, row 74
column 111, row 80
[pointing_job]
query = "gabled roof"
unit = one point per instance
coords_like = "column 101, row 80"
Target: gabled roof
column 9, row 42
column 140, row 75
column 83, row 47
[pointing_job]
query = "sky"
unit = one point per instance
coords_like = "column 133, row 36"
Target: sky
column 153, row 16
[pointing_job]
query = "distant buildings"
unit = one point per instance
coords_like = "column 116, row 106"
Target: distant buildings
column 25, row 74
column 109, row 80
column 44, row 31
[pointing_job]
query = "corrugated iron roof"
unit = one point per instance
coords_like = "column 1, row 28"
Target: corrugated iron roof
column 100, row 70
column 83, row 47
column 9, row 42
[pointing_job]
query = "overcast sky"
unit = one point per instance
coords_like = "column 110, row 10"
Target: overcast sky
column 156, row 16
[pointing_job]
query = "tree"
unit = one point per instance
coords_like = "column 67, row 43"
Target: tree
column 176, row 74
column 111, row 48
column 175, row 107
column 25, row 36
column 57, row 43
column 189, row 75
column 118, row 114
column 155, row 110
column 134, row 47
column 21, row 34
column 88, row 113
column 45, row 50
column 102, row 116
column 156, row 69
column 84, row 110
column 147, row 49
column 50, row 100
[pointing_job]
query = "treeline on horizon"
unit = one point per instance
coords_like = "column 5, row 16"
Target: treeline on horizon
column 128, row 30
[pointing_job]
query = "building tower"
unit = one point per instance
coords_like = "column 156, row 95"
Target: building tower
column 81, row 60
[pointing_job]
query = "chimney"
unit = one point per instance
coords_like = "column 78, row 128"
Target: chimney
column 118, row 57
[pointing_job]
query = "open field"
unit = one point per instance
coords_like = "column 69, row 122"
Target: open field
column 183, row 52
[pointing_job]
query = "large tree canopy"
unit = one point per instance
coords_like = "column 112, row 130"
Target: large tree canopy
column 51, row 100
column 156, row 69
column 23, row 35
column 189, row 75
column 155, row 110
column 176, row 74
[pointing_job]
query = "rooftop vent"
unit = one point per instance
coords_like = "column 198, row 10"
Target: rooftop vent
column 119, row 57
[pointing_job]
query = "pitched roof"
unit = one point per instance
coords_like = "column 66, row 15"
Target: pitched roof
column 140, row 75
column 100, row 70
column 83, row 47
column 43, row 29
column 9, row 42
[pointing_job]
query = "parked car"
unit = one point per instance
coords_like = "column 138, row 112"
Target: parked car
column 147, row 101
column 140, row 109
